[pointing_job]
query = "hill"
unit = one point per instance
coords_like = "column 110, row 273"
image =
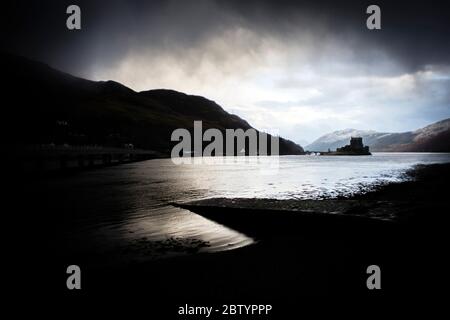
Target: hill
column 47, row 106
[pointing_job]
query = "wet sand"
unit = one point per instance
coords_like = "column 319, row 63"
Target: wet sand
column 322, row 249
column 323, row 255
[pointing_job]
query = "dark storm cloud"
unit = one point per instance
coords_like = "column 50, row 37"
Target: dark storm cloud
column 416, row 34
column 303, row 67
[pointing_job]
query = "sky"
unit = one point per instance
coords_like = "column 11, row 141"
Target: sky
column 302, row 68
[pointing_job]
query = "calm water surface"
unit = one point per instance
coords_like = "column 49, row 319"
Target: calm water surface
column 119, row 206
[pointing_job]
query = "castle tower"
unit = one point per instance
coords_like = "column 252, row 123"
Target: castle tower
column 356, row 143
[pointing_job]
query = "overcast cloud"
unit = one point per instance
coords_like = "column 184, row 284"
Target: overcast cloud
column 304, row 68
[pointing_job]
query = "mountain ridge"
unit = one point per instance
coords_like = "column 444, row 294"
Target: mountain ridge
column 431, row 138
column 48, row 106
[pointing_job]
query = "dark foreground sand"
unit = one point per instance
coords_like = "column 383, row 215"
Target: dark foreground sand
column 322, row 250
column 325, row 255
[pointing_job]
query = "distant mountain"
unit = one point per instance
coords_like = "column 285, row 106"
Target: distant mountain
column 432, row 138
column 43, row 105
column 341, row 138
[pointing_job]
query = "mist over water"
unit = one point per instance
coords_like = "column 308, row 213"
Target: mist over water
column 115, row 212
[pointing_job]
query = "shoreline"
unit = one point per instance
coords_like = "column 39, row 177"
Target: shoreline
column 321, row 257
column 51, row 166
